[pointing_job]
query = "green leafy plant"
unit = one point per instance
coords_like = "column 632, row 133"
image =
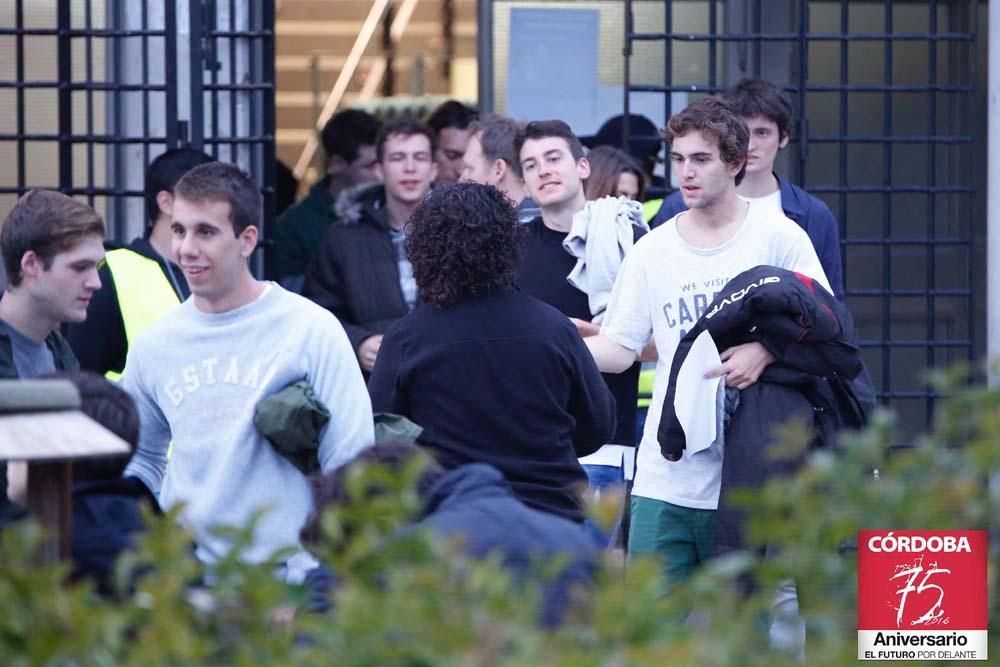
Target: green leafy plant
column 403, row 601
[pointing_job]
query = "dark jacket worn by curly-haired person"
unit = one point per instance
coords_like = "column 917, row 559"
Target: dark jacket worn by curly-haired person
column 502, row 379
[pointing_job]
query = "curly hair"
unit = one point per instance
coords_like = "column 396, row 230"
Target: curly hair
column 715, row 120
column 463, row 240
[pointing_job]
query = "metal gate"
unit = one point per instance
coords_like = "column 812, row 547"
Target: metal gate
column 885, row 96
column 91, row 91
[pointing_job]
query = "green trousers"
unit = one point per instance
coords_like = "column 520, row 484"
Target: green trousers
column 680, row 537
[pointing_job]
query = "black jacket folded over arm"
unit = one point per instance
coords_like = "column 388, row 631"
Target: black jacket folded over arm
column 818, row 377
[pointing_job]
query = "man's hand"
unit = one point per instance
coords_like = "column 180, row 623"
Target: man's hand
column 368, row 351
column 742, row 365
column 586, row 329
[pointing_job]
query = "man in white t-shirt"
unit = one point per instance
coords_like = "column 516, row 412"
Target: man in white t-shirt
column 664, row 286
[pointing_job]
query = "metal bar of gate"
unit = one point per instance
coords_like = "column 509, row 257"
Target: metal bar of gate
column 19, row 73
column 945, row 182
column 197, row 65
column 170, row 75
column 887, row 257
column 268, row 124
column 65, row 99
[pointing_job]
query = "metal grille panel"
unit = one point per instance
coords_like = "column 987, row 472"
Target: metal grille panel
column 885, row 97
column 91, row 91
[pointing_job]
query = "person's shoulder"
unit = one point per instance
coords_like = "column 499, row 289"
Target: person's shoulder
column 128, row 253
column 671, row 206
column 302, row 314
column 63, row 355
column 781, row 229
column 301, row 309
column 317, row 201
column 674, row 199
column 554, row 321
column 638, row 232
column 809, row 203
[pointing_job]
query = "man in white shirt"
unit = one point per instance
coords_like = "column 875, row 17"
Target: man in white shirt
column 665, row 284
column 198, row 374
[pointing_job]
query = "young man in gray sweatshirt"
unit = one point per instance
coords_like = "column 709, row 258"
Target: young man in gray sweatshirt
column 197, row 375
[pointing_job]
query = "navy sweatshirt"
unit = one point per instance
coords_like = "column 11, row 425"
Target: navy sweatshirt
column 542, row 274
column 501, row 379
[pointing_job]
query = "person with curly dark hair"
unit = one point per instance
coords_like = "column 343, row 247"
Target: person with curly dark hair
column 491, row 374
column 454, row 255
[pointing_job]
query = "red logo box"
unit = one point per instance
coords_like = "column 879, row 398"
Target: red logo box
column 921, row 592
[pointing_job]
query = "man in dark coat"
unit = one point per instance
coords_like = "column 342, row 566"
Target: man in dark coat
column 361, row 273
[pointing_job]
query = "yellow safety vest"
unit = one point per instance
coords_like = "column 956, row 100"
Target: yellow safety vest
column 648, row 373
column 646, row 377
column 650, row 209
column 144, row 293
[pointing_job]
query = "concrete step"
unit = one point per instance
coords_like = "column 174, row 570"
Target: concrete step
column 300, row 78
column 327, row 29
column 337, row 37
column 295, row 109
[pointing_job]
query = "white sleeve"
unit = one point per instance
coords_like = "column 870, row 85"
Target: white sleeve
column 149, row 463
column 335, row 376
column 800, row 256
column 627, row 320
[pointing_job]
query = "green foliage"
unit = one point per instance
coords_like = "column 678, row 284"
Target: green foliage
column 402, row 601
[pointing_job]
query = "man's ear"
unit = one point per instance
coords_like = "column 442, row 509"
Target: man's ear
column 165, row 202
column 500, row 169
column 248, row 240
column 783, row 142
column 434, row 171
column 583, row 168
column 31, row 264
column 336, row 165
column 379, row 172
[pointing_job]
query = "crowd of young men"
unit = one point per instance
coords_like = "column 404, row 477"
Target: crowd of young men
column 378, row 259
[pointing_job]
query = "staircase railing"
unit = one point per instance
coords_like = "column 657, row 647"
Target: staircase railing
column 347, row 72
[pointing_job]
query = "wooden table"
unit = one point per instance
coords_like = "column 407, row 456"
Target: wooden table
column 40, row 423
